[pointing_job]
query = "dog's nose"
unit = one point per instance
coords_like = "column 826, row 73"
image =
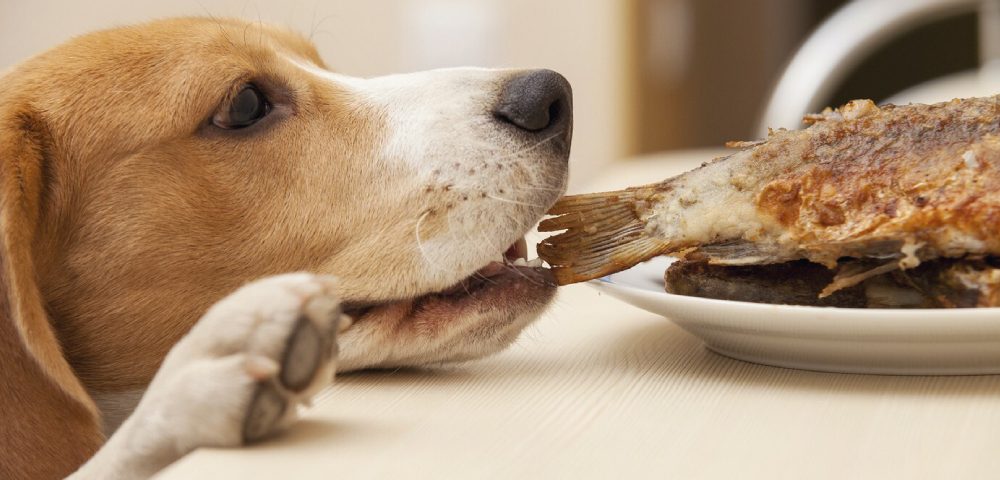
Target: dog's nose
column 535, row 101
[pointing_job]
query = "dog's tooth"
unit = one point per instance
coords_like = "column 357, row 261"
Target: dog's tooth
column 535, row 262
column 520, row 262
column 521, row 246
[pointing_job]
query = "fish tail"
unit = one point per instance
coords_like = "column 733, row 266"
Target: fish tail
column 604, row 233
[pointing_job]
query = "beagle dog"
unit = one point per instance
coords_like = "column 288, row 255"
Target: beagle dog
column 158, row 181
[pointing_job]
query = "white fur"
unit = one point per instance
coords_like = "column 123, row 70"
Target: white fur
column 200, row 395
column 438, row 126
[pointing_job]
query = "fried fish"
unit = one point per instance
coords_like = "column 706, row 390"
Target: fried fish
column 954, row 283
column 868, row 192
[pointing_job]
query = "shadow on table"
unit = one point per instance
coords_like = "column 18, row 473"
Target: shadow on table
column 664, row 351
column 451, row 374
column 668, row 351
column 318, row 431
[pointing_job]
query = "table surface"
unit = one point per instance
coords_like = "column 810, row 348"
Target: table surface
column 599, row 389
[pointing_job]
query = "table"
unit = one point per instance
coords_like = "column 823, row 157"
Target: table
column 599, row 389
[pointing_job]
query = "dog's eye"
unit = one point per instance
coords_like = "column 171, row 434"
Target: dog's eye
column 247, row 107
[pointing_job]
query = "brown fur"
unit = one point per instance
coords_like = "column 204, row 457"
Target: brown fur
column 125, row 214
column 73, row 156
column 40, row 393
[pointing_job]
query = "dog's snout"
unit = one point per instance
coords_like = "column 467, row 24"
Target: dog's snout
column 536, row 100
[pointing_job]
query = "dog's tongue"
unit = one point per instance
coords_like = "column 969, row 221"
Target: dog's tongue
column 515, row 256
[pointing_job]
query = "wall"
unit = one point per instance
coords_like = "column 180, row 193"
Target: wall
column 586, row 40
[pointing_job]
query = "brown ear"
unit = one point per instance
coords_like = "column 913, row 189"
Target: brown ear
column 50, row 422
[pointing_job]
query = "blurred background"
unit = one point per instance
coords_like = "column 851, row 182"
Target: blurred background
column 648, row 75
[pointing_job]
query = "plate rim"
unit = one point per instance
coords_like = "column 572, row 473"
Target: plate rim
column 880, row 341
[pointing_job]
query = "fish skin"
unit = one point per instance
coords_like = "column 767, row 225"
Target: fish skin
column 914, row 182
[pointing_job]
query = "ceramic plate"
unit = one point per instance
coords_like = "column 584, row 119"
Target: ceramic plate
column 849, row 340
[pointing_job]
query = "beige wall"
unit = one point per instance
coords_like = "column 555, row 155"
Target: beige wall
column 583, row 39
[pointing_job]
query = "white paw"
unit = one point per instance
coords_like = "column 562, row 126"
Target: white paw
column 241, row 372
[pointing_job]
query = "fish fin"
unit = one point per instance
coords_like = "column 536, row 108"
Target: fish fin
column 604, row 233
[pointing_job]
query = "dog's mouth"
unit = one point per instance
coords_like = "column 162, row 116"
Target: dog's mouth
column 511, row 273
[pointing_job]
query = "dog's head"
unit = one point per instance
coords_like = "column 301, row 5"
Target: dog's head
column 161, row 166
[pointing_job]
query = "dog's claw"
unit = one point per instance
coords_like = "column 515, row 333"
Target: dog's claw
column 260, row 367
column 345, row 322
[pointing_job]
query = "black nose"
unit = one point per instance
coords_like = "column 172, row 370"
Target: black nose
column 535, row 101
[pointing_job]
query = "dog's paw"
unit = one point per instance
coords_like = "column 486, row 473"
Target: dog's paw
column 241, row 372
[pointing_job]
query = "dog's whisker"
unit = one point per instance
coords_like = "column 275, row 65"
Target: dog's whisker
column 495, row 246
column 260, row 25
column 317, row 25
column 420, row 244
column 484, row 278
column 468, row 238
column 529, row 279
column 347, row 212
column 505, row 265
column 514, row 155
column 528, row 148
column 515, row 270
column 531, row 187
column 507, row 200
column 464, row 231
column 451, row 230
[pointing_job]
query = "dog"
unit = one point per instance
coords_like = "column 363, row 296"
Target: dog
column 160, row 180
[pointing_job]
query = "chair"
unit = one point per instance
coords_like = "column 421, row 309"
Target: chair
column 843, row 41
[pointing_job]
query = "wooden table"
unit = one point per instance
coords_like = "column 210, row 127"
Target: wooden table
column 599, row 389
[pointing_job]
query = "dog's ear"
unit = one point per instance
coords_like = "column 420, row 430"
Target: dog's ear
column 46, row 412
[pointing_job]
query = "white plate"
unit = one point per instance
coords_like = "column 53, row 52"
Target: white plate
column 849, row 340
